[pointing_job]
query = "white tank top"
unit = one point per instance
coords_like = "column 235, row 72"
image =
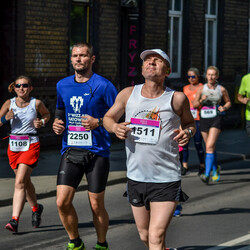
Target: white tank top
column 23, row 119
column 213, row 95
column 158, row 162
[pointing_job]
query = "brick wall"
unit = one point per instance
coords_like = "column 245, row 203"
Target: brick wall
column 196, row 34
column 46, row 38
column 46, row 51
column 108, row 43
column 235, row 47
column 155, row 35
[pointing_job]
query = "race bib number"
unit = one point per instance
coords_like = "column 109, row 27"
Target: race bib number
column 79, row 136
column 145, row 131
column 19, row 143
column 194, row 113
column 208, row 112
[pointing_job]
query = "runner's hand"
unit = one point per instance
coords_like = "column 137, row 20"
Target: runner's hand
column 181, row 137
column 58, row 126
column 89, row 122
column 121, row 130
column 9, row 115
column 37, row 123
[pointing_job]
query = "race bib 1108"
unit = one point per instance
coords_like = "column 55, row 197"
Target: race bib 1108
column 19, row 143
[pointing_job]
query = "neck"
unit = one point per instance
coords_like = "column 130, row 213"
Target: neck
column 83, row 77
column 23, row 99
column 152, row 89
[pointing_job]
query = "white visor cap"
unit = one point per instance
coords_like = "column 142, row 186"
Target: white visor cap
column 155, row 51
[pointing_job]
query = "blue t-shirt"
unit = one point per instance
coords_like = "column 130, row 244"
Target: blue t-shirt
column 93, row 98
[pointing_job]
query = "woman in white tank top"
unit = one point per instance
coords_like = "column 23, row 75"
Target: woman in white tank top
column 209, row 97
column 24, row 146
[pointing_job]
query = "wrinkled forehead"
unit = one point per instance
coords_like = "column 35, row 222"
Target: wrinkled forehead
column 153, row 55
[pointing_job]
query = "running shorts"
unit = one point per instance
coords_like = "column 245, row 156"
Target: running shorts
column 29, row 157
column 96, row 170
column 142, row 193
column 207, row 123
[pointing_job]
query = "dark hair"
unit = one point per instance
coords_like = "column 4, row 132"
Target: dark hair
column 88, row 45
column 11, row 87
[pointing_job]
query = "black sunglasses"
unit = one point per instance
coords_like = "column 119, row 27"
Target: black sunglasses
column 191, row 77
column 24, row 85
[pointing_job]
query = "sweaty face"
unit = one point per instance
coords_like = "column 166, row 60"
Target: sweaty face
column 153, row 67
column 81, row 59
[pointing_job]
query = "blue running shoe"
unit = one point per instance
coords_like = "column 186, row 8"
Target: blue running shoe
column 216, row 174
column 177, row 212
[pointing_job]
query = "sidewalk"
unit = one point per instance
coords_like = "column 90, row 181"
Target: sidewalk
column 232, row 145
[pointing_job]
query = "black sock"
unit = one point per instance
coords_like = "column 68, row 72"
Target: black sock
column 76, row 241
column 104, row 244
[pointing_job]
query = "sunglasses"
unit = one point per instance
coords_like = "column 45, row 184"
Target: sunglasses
column 191, row 77
column 24, row 85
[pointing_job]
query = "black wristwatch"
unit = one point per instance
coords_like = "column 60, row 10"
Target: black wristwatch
column 190, row 132
column 100, row 122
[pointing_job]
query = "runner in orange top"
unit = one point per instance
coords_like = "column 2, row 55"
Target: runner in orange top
column 190, row 91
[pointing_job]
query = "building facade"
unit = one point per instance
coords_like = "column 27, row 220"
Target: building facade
column 36, row 38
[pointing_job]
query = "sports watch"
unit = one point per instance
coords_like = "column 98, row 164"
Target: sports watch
column 190, row 132
column 100, row 122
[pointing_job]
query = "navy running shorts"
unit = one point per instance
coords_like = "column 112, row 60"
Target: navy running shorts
column 142, row 193
column 96, row 170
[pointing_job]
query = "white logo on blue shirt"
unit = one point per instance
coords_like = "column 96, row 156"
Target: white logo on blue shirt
column 76, row 103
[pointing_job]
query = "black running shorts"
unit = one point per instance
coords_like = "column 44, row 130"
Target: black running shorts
column 207, row 123
column 96, row 170
column 141, row 193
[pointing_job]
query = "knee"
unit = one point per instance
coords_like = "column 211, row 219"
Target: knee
column 156, row 238
column 63, row 203
column 97, row 207
column 144, row 236
column 19, row 184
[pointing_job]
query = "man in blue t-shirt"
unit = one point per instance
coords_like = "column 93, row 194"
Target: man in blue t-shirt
column 82, row 101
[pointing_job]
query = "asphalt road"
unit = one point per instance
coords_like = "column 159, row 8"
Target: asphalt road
column 215, row 217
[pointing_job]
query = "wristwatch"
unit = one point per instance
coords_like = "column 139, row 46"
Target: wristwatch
column 190, row 132
column 100, row 122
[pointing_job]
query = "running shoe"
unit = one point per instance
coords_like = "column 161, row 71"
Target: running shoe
column 201, row 171
column 177, row 212
column 12, row 225
column 71, row 246
column 98, row 247
column 216, row 174
column 36, row 216
column 204, row 178
column 184, row 171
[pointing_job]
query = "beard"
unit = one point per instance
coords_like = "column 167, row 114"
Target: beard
column 81, row 70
